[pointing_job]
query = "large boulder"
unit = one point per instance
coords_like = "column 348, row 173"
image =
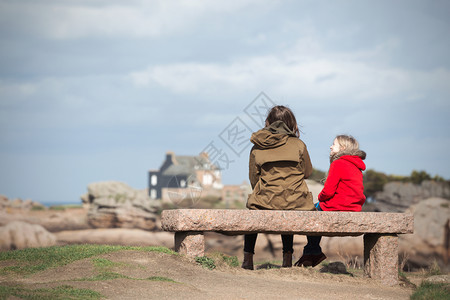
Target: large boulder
column 116, row 205
column 20, row 235
column 398, row 196
column 430, row 241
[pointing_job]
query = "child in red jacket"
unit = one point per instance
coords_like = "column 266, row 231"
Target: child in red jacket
column 343, row 190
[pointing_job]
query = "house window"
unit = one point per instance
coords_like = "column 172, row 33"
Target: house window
column 207, row 179
column 154, row 180
column 153, row 194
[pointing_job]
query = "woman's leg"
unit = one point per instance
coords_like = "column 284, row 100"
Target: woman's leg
column 250, row 242
column 288, row 249
column 288, row 243
column 249, row 250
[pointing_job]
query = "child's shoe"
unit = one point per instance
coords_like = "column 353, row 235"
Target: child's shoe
column 310, row 260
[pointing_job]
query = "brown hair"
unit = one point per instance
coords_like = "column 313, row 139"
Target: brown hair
column 282, row 113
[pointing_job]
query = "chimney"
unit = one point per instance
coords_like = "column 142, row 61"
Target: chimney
column 170, row 157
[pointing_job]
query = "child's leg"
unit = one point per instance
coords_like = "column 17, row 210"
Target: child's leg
column 249, row 242
column 317, row 205
column 313, row 245
column 288, row 243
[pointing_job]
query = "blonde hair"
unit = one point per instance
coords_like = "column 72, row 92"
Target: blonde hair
column 348, row 146
column 347, row 143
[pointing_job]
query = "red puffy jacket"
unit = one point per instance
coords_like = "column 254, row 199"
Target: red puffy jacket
column 343, row 189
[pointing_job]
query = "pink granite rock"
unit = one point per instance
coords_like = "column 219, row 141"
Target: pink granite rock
column 190, row 243
column 21, row 235
column 381, row 258
column 298, row 222
column 380, row 231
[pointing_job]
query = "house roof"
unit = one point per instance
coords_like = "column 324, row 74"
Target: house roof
column 187, row 165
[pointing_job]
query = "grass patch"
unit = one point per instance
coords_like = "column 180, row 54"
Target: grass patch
column 104, row 276
column 160, row 278
column 232, row 261
column 435, row 291
column 104, row 263
column 38, row 208
column 32, row 260
column 434, row 269
column 60, row 292
column 114, row 275
column 206, row 262
column 221, row 259
column 64, row 207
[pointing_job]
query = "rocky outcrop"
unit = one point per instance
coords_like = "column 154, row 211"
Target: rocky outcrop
column 398, row 196
column 20, row 235
column 430, row 240
column 116, row 236
column 116, row 205
column 53, row 221
column 19, row 203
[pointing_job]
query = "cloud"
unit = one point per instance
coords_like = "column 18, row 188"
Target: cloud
column 75, row 19
column 329, row 76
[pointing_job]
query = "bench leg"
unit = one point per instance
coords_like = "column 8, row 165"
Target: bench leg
column 381, row 257
column 191, row 244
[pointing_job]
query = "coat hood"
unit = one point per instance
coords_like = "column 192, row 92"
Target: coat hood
column 356, row 157
column 356, row 160
column 272, row 136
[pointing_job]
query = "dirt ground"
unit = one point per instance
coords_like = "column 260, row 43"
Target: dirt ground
column 192, row 281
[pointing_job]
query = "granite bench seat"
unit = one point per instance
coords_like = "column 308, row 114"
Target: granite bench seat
column 380, row 231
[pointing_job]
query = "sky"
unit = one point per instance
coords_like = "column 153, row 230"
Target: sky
column 99, row 90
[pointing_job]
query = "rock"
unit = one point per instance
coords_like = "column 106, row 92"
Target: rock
column 336, row 267
column 115, row 236
column 444, row 279
column 116, row 205
column 20, row 235
column 430, row 240
column 18, row 203
column 334, row 223
column 3, row 201
column 69, row 219
column 398, row 196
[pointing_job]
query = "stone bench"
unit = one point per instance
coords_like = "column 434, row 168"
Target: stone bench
column 380, row 231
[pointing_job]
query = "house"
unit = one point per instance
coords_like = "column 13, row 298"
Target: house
column 183, row 172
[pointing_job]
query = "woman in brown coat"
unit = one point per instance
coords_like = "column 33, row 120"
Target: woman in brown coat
column 279, row 163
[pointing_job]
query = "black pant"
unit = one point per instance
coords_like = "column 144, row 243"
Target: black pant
column 250, row 241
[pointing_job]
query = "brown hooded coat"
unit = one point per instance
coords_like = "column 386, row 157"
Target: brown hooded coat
column 279, row 163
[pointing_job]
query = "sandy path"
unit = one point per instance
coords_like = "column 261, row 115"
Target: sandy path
column 196, row 282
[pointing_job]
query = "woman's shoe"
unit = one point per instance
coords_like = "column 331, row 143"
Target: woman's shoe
column 248, row 261
column 287, row 260
column 310, row 260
